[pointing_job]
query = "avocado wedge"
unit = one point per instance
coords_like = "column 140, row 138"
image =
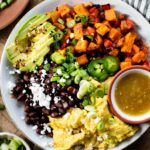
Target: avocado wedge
column 31, row 44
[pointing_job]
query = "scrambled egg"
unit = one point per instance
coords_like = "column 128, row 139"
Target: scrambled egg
column 93, row 126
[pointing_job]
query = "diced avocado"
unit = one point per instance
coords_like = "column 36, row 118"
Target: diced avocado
column 58, row 58
column 4, row 147
column 30, row 25
column 27, row 52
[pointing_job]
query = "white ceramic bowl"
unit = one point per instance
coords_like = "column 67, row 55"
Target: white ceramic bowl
column 10, row 135
column 15, row 109
column 112, row 101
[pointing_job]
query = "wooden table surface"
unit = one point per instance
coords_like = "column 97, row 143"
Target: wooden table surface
column 6, row 123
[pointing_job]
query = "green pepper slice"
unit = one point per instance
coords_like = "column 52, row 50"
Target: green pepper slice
column 95, row 67
column 111, row 64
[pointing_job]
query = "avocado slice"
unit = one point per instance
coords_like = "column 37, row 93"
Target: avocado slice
column 27, row 52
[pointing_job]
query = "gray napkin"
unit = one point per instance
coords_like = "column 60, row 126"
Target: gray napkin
column 143, row 6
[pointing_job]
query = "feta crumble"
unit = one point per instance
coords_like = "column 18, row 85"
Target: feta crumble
column 11, row 85
column 67, row 115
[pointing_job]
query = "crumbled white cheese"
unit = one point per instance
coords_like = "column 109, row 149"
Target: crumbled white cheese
column 11, row 85
column 97, row 120
column 53, row 90
column 34, row 127
column 70, row 98
column 57, row 99
column 99, row 138
column 17, row 71
column 24, row 91
column 39, row 95
column 45, row 128
column 67, row 115
column 59, row 72
column 45, row 62
column 67, row 41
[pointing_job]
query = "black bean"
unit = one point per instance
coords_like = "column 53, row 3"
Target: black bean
column 44, row 119
column 17, row 89
column 27, row 109
column 53, row 107
column 26, row 77
column 54, row 85
column 45, row 111
column 61, row 111
column 65, row 105
column 47, row 90
column 32, row 114
column 38, row 131
column 64, row 94
column 21, row 97
column 47, row 81
column 59, row 104
column 54, row 114
column 28, row 120
column 71, row 103
column 72, row 90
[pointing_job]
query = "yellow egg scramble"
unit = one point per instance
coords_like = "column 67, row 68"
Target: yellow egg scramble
column 94, row 127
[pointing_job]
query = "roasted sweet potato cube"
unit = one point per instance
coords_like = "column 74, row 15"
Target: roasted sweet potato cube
column 62, row 51
column 92, row 46
column 78, row 31
column 138, row 57
column 106, row 23
column 135, row 49
column 63, row 9
column 102, row 29
column 81, row 46
column 110, row 15
column 114, row 34
column 124, row 65
column 54, row 15
column 98, row 39
column 144, row 48
column 81, row 9
column 120, row 42
column 123, row 25
column 128, row 59
column 82, row 59
column 114, row 52
column 91, row 31
column 129, row 41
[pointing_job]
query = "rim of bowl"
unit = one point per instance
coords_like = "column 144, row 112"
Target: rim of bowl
column 112, row 109
column 11, row 135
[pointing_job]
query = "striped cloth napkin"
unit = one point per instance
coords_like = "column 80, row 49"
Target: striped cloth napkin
column 143, row 6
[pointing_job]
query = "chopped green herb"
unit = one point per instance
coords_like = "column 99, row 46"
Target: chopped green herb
column 69, row 55
column 47, row 67
column 61, row 21
column 55, row 78
column 71, row 23
column 58, row 36
column 65, row 31
column 56, row 45
column 74, row 42
column 82, row 18
column 101, row 125
column 89, row 37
